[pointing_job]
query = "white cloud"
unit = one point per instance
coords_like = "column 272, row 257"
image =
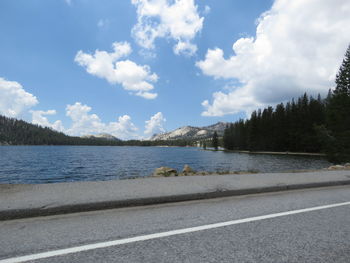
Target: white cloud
column 123, row 128
column 230, row 103
column 83, row 123
column 155, row 124
column 185, row 48
column 68, row 2
column 134, row 78
column 14, row 100
column 177, row 19
column 38, row 117
column 298, row 47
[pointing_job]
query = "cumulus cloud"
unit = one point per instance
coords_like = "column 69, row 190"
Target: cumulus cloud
column 155, row 124
column 39, row 117
column 185, row 48
column 178, row 20
column 134, row 78
column 123, row 128
column 230, row 103
column 298, row 47
column 84, row 122
column 14, row 100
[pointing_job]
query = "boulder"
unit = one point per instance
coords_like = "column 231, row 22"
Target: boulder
column 164, row 172
column 187, row 170
column 336, row 167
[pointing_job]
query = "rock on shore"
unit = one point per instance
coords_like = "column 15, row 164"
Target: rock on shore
column 164, row 172
column 167, row 171
column 187, row 170
column 340, row 167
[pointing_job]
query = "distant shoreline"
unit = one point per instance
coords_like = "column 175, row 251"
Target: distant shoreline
column 174, row 146
column 284, row 153
column 273, row 153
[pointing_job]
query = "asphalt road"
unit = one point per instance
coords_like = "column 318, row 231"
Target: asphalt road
column 311, row 236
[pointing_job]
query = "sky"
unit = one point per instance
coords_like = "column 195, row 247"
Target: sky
column 133, row 68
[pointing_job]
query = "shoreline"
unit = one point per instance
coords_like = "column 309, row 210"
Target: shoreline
column 283, row 153
column 269, row 152
column 174, row 146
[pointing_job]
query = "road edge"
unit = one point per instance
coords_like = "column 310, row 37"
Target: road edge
column 12, row 214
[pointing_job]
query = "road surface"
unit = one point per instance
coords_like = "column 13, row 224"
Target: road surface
column 291, row 226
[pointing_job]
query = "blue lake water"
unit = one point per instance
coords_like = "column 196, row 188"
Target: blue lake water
column 48, row 164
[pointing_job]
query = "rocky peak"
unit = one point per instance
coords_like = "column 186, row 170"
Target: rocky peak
column 104, row 136
column 190, row 132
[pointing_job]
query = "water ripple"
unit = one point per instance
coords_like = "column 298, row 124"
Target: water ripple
column 49, row 164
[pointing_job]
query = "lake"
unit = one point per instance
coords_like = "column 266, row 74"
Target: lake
column 49, row 164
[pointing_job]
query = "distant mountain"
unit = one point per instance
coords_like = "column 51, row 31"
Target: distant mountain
column 191, row 133
column 103, row 136
column 218, row 127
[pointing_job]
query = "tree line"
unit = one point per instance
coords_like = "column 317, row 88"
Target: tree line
column 287, row 127
column 306, row 124
column 19, row 132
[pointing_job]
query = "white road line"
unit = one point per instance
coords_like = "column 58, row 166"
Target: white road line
column 66, row 251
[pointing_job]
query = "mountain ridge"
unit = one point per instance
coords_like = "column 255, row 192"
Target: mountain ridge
column 191, row 132
column 101, row 136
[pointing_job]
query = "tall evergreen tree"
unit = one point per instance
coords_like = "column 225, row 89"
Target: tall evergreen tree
column 338, row 110
column 343, row 77
column 215, row 141
column 338, row 114
column 253, row 131
column 279, row 129
column 226, row 137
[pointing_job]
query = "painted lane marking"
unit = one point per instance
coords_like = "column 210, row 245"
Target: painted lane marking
column 77, row 249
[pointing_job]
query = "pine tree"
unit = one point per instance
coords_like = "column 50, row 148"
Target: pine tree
column 279, row 129
column 343, row 77
column 253, row 131
column 226, row 137
column 215, row 141
column 338, row 113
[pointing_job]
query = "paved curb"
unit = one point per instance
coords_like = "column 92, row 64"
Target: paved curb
column 95, row 206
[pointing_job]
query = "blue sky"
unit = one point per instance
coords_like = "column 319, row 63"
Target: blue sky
column 188, row 73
